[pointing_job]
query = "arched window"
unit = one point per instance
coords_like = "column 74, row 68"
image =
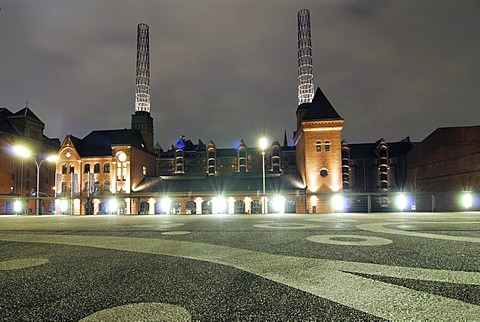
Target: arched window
column 72, row 168
column 96, row 168
column 318, row 146
column 86, row 168
column 106, row 185
column 64, row 168
column 106, row 168
column 327, row 146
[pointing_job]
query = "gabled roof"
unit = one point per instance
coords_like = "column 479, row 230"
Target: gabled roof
column 99, row 143
column 5, row 125
column 319, row 109
column 26, row 112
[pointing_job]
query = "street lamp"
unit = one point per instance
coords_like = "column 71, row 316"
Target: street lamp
column 263, row 143
column 23, row 152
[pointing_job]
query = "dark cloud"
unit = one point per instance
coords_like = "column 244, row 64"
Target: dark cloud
column 226, row 70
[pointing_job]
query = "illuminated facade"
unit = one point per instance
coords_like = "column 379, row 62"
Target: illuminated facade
column 318, row 143
column 102, row 165
column 18, row 175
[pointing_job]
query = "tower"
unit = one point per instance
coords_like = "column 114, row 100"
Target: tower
column 141, row 120
column 318, row 142
column 142, row 85
column 305, row 62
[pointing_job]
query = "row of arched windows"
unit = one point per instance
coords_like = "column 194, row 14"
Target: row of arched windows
column 326, row 146
column 86, row 168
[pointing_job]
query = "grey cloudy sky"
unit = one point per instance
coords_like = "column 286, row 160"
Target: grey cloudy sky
column 227, row 70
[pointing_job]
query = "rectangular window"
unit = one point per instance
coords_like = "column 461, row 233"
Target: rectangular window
column 124, row 172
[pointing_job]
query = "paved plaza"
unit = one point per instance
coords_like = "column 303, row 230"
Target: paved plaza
column 333, row 267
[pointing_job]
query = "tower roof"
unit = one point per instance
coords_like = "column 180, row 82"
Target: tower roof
column 320, row 108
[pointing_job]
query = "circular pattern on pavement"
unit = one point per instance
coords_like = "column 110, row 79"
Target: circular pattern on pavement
column 174, row 233
column 331, row 220
column 141, row 312
column 22, row 263
column 350, row 240
column 286, row 226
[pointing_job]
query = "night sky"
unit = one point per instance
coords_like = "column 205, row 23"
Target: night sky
column 227, row 70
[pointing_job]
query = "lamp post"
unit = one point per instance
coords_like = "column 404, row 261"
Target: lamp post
column 25, row 153
column 263, row 145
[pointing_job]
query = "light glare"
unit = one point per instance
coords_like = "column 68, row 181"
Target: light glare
column 279, row 204
column 467, row 200
column 17, row 206
column 219, row 205
column 401, row 202
column 338, row 203
column 165, row 205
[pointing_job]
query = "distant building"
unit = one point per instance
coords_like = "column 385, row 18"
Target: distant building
column 18, row 175
column 446, row 163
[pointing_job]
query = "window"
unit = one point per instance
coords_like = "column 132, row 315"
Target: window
column 96, row 186
column 106, row 168
column 124, row 171
column 72, row 168
column 324, row 173
column 64, row 168
column 96, row 168
column 144, row 170
column 85, row 186
column 106, row 185
column 86, row 168
column 318, row 146
column 64, row 185
column 327, row 146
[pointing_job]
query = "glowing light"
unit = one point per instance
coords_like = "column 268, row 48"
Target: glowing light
column 263, row 143
column 63, row 205
column 112, row 205
column 165, row 205
column 52, row 158
column 401, row 202
column 219, row 205
column 467, row 200
column 338, row 203
column 22, row 151
column 279, row 204
column 17, row 206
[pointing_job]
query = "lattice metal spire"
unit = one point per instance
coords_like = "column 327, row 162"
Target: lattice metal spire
column 305, row 62
column 142, row 85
